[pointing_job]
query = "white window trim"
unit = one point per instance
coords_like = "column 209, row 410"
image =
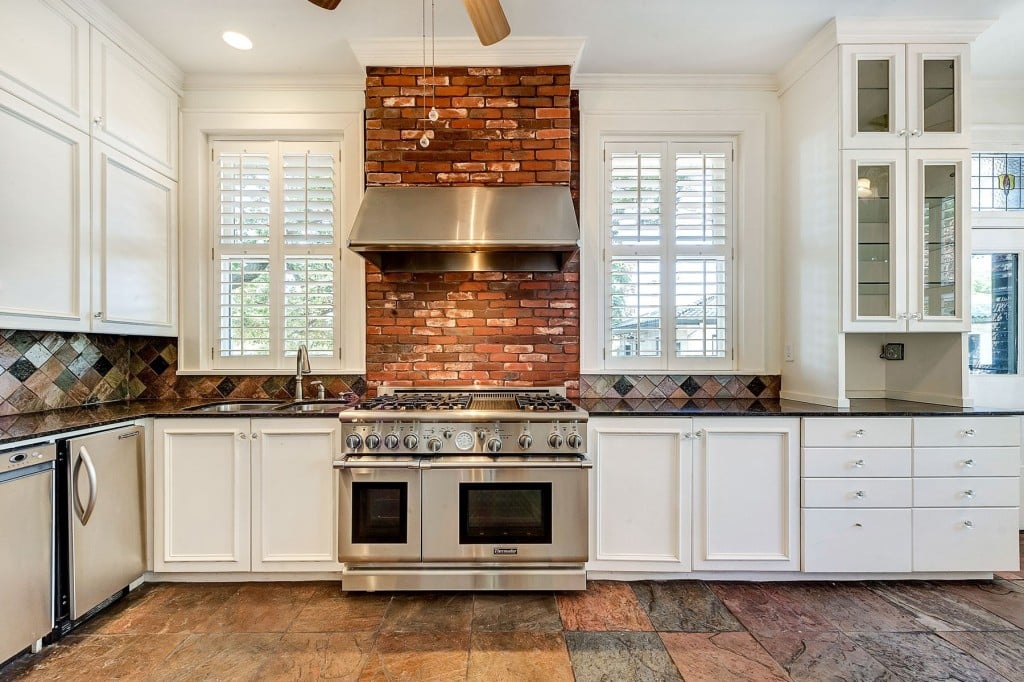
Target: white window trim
column 667, row 252
column 754, row 270
column 1002, row 390
column 199, row 127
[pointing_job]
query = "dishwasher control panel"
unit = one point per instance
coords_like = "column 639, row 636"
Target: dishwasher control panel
column 20, row 458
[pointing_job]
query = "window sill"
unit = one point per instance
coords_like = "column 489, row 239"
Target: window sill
column 269, row 372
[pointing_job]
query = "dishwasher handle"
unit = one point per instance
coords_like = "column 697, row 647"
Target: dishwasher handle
column 84, row 513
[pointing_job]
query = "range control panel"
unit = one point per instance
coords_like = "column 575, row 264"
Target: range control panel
column 465, row 438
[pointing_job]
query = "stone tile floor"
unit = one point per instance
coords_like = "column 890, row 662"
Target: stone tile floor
column 615, row 631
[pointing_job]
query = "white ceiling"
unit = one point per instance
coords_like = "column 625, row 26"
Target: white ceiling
column 622, row 36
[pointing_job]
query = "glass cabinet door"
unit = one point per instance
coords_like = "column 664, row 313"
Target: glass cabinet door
column 938, row 246
column 874, row 94
column 935, row 97
column 875, row 287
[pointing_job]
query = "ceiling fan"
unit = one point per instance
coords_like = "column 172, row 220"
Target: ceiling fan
column 487, row 16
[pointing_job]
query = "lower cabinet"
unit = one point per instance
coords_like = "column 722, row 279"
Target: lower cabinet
column 679, row 494
column 245, row 494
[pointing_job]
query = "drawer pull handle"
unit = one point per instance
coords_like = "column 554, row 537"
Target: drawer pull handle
column 859, row 524
column 969, row 433
column 968, row 462
column 860, row 494
column 859, row 433
column 968, row 524
column 969, row 494
column 859, row 463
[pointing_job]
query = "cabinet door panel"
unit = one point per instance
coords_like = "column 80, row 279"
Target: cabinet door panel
column 641, row 518
column 201, row 495
column 44, row 193
column 294, row 500
column 746, row 495
column 44, row 58
column 874, row 96
column 936, row 95
column 136, row 112
column 135, row 246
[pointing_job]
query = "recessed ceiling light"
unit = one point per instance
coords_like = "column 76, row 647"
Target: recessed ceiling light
column 237, row 40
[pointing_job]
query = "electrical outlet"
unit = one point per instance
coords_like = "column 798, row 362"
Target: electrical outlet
column 892, row 351
column 787, row 352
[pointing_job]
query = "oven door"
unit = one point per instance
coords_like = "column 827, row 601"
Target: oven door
column 508, row 509
column 378, row 509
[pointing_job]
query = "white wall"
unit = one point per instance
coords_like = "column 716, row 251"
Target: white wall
column 631, row 106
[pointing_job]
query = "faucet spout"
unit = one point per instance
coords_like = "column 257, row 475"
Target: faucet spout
column 301, row 367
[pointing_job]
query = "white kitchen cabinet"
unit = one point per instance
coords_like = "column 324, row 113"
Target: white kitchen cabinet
column 746, row 494
column 640, row 509
column 905, row 240
column 135, row 247
column 132, row 110
column 201, row 482
column 44, row 58
column 294, row 494
column 899, row 96
column 44, row 185
column 234, row 495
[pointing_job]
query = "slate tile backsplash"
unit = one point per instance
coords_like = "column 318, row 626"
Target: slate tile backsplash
column 640, row 386
column 51, row 370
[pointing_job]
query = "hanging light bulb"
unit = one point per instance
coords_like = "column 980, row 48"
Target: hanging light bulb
column 424, row 140
column 433, row 115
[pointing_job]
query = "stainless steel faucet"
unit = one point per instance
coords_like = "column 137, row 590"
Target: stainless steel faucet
column 301, row 367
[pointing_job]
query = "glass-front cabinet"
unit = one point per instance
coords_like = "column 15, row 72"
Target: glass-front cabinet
column 897, row 95
column 904, row 240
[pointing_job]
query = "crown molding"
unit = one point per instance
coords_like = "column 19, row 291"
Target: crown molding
column 469, row 52
column 221, row 82
column 810, row 54
column 657, row 81
column 103, row 19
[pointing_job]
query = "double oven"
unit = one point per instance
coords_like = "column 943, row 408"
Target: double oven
column 476, row 500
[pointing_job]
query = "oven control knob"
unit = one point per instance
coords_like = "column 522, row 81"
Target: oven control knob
column 391, row 441
column 574, row 440
column 410, row 441
column 353, row 441
column 525, row 441
column 434, row 444
column 373, row 441
column 494, row 444
column 555, row 440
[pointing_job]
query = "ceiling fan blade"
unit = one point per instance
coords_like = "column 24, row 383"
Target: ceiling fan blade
column 488, row 19
column 326, row 4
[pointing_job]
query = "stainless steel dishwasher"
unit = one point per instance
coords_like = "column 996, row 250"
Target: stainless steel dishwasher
column 104, row 544
column 26, row 546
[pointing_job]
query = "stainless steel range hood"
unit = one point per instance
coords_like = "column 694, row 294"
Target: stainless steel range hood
column 444, row 229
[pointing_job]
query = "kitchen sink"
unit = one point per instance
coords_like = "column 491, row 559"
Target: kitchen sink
column 235, row 406
column 316, row 406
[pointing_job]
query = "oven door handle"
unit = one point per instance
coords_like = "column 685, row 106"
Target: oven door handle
column 582, row 463
column 344, row 463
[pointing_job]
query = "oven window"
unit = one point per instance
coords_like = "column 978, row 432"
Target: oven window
column 500, row 513
column 379, row 513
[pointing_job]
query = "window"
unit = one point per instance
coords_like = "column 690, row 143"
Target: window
column 668, row 255
column 275, row 252
column 997, row 181
column 993, row 344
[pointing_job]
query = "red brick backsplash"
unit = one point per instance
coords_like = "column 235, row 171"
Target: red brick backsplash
column 497, row 126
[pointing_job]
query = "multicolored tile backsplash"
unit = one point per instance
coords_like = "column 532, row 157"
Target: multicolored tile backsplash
column 51, row 370
column 641, row 386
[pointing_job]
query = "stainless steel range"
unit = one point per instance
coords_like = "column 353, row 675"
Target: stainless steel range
column 464, row 489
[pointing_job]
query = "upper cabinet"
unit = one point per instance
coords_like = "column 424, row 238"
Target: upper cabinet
column 132, row 110
column 44, row 58
column 899, row 96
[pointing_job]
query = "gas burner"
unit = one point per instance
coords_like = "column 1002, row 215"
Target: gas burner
column 543, row 403
column 419, row 401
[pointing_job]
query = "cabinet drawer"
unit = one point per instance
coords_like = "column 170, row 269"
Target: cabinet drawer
column 856, row 492
column 858, row 462
column 971, row 431
column 966, row 492
column 869, row 432
column 966, row 461
column 856, row 540
column 966, row 540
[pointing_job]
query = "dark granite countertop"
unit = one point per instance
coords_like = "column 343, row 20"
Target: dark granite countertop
column 19, row 427
column 32, row 425
column 704, row 407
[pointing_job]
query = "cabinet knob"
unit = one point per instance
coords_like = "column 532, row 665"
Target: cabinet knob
column 255, row 435
column 698, row 434
column 968, row 463
column 968, row 524
column 859, row 433
column 98, row 119
column 859, row 463
column 243, row 436
column 860, row 494
column 969, row 433
column 969, row 494
column 97, row 315
column 902, row 316
column 858, row 525
column 916, row 132
column 902, row 133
